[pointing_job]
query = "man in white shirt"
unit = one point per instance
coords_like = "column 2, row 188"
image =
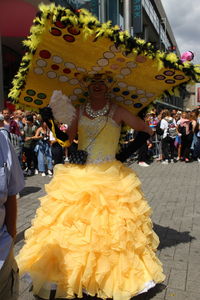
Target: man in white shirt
column 168, row 125
column 11, row 183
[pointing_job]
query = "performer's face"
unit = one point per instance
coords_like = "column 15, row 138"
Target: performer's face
column 97, row 87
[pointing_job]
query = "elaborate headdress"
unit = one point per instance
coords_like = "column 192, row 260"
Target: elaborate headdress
column 67, row 45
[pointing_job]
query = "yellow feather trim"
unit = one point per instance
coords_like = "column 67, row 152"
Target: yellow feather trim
column 172, row 57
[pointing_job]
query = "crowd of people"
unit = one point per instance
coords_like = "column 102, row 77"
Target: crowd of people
column 176, row 138
column 33, row 142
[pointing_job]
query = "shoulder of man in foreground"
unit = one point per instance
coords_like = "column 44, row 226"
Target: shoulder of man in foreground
column 10, row 159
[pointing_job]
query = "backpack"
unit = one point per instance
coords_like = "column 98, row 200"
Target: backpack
column 16, row 142
column 5, row 132
column 14, row 139
column 159, row 130
column 172, row 132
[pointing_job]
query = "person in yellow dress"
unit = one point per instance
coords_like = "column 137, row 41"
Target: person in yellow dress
column 92, row 233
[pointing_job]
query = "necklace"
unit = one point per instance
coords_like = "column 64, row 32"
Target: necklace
column 96, row 113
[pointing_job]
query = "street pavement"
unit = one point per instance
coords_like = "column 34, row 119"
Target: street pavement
column 173, row 192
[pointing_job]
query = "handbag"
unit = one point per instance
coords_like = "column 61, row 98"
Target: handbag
column 79, row 157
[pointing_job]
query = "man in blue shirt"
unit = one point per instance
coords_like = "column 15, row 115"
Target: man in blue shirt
column 11, row 183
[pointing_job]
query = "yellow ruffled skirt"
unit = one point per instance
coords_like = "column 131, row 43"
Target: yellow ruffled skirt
column 92, row 233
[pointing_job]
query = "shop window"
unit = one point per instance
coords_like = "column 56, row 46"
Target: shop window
column 91, row 5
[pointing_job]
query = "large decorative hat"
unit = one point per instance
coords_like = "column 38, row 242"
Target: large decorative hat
column 67, row 46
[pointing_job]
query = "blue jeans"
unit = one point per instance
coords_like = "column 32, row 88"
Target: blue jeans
column 44, row 154
column 197, row 148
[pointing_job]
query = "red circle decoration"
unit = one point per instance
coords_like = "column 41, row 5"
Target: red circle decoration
column 55, row 31
column 60, row 24
column 54, row 67
column 141, row 59
column 179, row 77
column 45, row 54
column 160, row 77
column 66, row 71
column 73, row 30
column 169, row 73
column 120, row 59
column 68, row 38
column 170, row 81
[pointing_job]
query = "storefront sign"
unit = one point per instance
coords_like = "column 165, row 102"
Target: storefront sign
column 137, row 16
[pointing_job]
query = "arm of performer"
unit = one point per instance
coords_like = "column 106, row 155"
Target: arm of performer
column 63, row 138
column 144, row 132
column 47, row 116
column 61, row 109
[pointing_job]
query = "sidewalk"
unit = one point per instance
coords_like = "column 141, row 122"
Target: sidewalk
column 173, row 192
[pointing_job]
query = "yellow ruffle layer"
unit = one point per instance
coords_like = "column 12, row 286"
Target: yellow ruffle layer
column 93, row 232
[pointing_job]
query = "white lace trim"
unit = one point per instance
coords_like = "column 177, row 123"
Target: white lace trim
column 148, row 285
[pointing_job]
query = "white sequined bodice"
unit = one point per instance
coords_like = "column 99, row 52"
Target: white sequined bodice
column 99, row 137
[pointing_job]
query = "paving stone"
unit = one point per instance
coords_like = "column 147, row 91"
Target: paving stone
column 177, row 279
column 193, row 285
column 175, row 294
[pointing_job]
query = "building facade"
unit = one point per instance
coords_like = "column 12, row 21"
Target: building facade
column 142, row 18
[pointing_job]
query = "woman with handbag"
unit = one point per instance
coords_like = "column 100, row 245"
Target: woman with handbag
column 92, row 233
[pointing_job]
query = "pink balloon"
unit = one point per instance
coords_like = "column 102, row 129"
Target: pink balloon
column 187, row 56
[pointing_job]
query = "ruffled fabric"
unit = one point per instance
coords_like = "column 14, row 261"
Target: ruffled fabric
column 92, row 232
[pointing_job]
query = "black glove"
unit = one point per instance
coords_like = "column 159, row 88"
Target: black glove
column 46, row 113
column 133, row 146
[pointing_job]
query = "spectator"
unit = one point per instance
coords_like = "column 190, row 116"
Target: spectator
column 6, row 114
column 64, row 128
column 56, row 149
column 168, row 125
column 11, row 183
column 9, row 123
column 193, row 120
column 197, row 144
column 37, row 120
column 29, row 145
column 12, row 127
column 17, row 117
column 2, row 128
column 43, row 149
column 185, row 129
column 158, row 139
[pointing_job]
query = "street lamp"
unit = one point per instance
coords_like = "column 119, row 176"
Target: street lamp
column 162, row 21
column 127, row 15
